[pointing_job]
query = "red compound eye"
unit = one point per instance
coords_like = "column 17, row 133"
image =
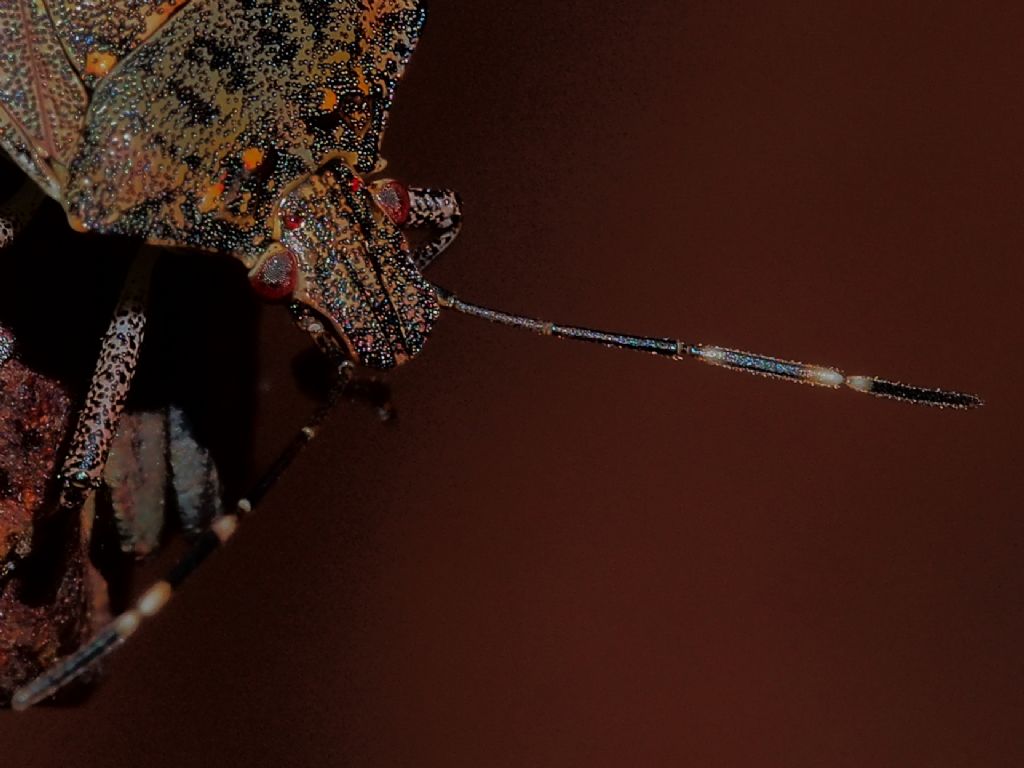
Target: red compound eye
column 276, row 277
column 292, row 221
column 393, row 199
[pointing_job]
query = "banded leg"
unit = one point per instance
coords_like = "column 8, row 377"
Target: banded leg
column 157, row 595
column 440, row 209
column 104, row 402
column 17, row 211
column 747, row 362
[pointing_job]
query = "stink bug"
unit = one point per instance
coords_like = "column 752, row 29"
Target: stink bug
column 260, row 140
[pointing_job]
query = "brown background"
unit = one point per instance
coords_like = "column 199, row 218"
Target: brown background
column 564, row 556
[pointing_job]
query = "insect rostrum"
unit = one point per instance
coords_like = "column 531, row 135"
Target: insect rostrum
column 253, row 128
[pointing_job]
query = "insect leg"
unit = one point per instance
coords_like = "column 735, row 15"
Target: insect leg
column 157, row 595
column 119, row 356
column 194, row 476
column 17, row 211
column 748, row 362
column 437, row 208
column 316, row 371
column 135, row 478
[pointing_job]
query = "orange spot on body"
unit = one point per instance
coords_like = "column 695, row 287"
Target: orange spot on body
column 211, row 199
column 329, row 101
column 99, row 63
column 156, row 19
column 252, row 158
column 361, row 83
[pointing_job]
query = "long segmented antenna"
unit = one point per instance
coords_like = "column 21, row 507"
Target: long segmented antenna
column 763, row 365
column 155, row 597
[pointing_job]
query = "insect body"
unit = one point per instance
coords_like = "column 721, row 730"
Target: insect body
column 253, row 128
column 212, row 134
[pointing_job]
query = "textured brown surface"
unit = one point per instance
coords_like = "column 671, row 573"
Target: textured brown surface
column 563, row 556
column 46, row 617
column 34, row 413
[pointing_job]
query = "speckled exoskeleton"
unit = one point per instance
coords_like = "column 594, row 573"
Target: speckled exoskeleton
column 253, row 128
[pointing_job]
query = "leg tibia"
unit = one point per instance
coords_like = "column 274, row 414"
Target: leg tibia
column 108, row 390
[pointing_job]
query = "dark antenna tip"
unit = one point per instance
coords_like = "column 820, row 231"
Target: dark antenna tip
column 747, row 362
column 939, row 398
